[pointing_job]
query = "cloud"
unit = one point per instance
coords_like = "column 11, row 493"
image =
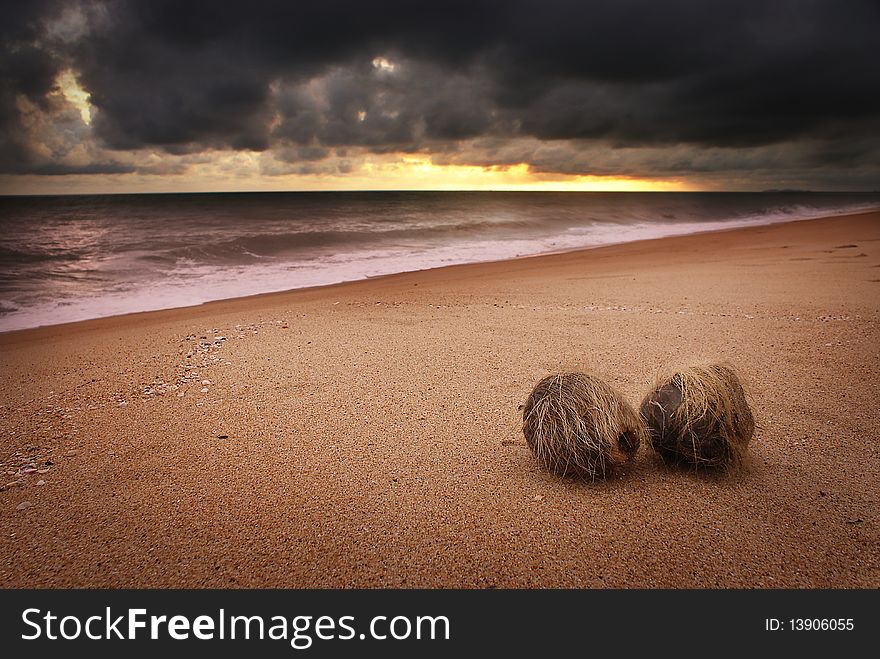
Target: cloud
column 62, row 169
column 632, row 87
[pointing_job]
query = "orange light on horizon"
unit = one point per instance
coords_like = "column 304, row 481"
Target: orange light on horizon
column 237, row 171
column 421, row 173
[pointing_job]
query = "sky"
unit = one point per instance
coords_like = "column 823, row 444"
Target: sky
column 135, row 96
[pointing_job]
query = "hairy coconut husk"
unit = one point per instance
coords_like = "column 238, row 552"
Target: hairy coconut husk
column 699, row 416
column 578, row 425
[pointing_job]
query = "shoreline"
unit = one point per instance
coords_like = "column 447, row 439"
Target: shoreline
column 367, row 434
column 288, row 291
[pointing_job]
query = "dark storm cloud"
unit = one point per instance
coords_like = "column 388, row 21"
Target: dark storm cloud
column 172, row 73
column 298, row 77
column 25, row 71
column 386, row 109
column 705, row 73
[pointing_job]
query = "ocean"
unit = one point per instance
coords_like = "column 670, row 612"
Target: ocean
column 68, row 258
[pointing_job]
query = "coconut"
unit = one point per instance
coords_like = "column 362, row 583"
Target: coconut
column 578, row 425
column 699, row 416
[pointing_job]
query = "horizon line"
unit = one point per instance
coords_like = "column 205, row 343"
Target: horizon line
column 439, row 190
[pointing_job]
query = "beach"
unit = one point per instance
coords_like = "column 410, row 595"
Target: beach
column 367, row 434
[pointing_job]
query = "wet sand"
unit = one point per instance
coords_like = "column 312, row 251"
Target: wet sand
column 367, row 434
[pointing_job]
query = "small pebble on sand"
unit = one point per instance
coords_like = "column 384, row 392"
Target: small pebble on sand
column 24, row 505
column 41, row 482
column 204, row 390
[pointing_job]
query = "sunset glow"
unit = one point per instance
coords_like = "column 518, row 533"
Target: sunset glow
column 420, row 173
column 243, row 172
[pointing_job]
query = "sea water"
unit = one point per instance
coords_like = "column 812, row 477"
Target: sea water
column 68, row 258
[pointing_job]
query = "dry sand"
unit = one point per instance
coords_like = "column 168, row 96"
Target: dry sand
column 374, row 437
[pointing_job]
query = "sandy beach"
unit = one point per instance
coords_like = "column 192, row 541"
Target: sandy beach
column 367, row 434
